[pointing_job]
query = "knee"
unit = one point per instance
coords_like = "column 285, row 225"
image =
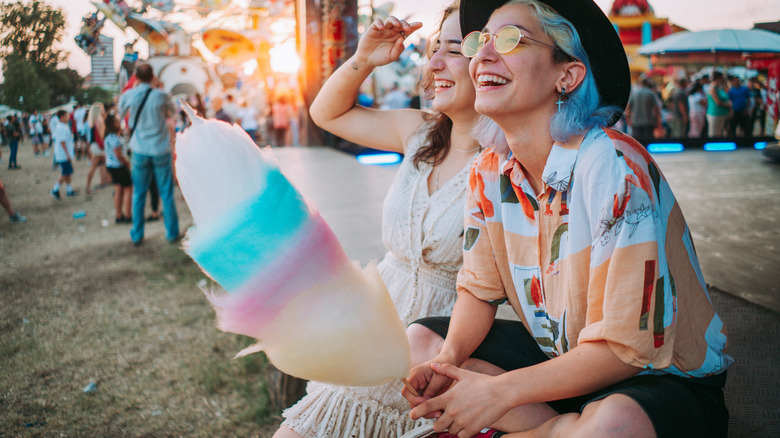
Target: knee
column 615, row 416
column 423, row 342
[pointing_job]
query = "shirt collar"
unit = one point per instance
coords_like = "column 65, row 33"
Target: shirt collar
column 558, row 169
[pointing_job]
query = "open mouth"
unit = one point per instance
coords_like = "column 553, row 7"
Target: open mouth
column 491, row 80
column 443, row 83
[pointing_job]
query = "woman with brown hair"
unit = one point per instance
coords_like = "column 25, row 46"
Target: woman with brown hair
column 423, row 211
column 97, row 155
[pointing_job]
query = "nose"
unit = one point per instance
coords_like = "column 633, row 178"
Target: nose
column 436, row 62
column 487, row 51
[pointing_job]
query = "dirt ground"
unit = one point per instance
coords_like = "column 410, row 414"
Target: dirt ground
column 82, row 305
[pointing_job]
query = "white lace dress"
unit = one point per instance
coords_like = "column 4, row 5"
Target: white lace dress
column 424, row 235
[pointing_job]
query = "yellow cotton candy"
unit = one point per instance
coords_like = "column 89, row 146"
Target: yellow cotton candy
column 344, row 332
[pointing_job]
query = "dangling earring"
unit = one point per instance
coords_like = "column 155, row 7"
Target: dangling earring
column 561, row 98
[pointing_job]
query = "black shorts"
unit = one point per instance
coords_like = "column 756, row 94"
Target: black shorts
column 677, row 406
column 120, row 175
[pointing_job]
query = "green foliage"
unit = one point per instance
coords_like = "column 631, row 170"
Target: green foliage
column 23, row 88
column 28, row 32
column 94, row 94
column 30, row 29
column 64, row 83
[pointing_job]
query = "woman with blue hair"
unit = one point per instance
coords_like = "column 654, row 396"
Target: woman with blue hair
column 574, row 225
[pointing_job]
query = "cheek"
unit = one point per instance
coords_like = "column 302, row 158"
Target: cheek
column 473, row 71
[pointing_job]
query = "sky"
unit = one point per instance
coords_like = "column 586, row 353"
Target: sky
column 691, row 14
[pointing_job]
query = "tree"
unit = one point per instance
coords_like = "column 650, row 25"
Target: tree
column 94, row 94
column 23, row 88
column 30, row 29
column 64, row 82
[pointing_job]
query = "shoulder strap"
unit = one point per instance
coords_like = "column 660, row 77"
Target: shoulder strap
column 138, row 113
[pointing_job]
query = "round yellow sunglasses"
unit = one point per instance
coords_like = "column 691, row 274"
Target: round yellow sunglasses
column 506, row 39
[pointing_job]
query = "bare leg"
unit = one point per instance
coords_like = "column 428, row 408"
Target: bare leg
column 615, row 416
column 285, row 432
column 128, row 201
column 118, row 192
column 426, row 344
column 5, row 202
column 95, row 163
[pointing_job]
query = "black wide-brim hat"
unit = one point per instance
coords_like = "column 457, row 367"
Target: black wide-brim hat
column 601, row 42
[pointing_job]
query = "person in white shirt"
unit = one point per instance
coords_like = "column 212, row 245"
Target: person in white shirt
column 80, row 118
column 247, row 118
column 64, row 151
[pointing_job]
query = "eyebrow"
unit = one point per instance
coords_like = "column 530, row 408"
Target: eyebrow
column 450, row 41
column 519, row 26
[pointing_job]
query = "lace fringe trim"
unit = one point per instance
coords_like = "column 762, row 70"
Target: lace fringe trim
column 326, row 412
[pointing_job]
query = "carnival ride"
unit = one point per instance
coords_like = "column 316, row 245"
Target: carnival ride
column 229, row 38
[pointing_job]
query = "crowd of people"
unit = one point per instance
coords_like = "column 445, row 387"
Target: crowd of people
column 103, row 135
column 716, row 105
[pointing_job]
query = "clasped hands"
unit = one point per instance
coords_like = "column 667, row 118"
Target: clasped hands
column 462, row 402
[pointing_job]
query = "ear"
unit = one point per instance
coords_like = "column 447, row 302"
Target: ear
column 572, row 75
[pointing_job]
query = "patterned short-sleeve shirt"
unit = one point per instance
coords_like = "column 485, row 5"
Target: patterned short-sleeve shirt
column 603, row 254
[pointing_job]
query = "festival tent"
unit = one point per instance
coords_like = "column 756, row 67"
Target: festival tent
column 754, row 48
column 711, row 47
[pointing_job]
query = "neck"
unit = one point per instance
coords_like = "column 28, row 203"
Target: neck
column 530, row 141
column 461, row 139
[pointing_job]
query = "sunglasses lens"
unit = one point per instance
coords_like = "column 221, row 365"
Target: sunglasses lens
column 507, row 39
column 472, row 43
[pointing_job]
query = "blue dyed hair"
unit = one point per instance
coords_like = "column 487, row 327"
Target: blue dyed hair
column 582, row 109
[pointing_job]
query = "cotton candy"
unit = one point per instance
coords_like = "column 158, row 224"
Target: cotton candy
column 287, row 281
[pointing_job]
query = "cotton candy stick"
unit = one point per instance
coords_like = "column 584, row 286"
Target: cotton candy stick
column 287, row 281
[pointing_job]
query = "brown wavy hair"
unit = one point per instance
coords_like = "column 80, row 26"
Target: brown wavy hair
column 437, row 139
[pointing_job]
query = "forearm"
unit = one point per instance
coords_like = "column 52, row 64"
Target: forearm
column 588, row 367
column 471, row 320
column 340, row 91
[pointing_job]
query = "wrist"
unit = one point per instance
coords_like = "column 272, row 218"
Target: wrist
column 360, row 64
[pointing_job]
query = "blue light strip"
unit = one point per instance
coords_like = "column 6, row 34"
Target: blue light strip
column 659, row 148
column 390, row 158
column 724, row 146
column 760, row 145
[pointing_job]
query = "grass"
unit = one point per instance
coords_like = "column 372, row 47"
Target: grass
column 144, row 333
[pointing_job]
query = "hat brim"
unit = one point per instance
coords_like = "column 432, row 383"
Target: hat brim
column 599, row 38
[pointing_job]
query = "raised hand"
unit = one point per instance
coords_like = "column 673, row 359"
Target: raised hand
column 383, row 42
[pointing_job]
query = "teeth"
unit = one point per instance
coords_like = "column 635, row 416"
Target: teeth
column 443, row 84
column 486, row 80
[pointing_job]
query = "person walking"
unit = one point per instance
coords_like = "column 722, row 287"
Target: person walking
column 64, row 151
column 14, row 132
column 13, row 215
column 643, row 113
column 697, row 105
column 118, row 166
column 739, row 96
column 150, row 143
column 97, row 155
column 678, row 106
column 718, row 105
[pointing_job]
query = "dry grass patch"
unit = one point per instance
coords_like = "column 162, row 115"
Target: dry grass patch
column 133, row 321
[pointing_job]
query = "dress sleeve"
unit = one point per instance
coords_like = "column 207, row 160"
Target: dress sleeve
column 479, row 274
column 631, row 297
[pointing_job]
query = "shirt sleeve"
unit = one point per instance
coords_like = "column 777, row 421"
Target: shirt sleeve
column 631, row 299
column 479, row 274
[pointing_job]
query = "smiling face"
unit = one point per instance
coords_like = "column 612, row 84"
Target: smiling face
column 522, row 81
column 453, row 89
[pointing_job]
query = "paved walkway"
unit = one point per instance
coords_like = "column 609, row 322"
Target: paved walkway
column 731, row 201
